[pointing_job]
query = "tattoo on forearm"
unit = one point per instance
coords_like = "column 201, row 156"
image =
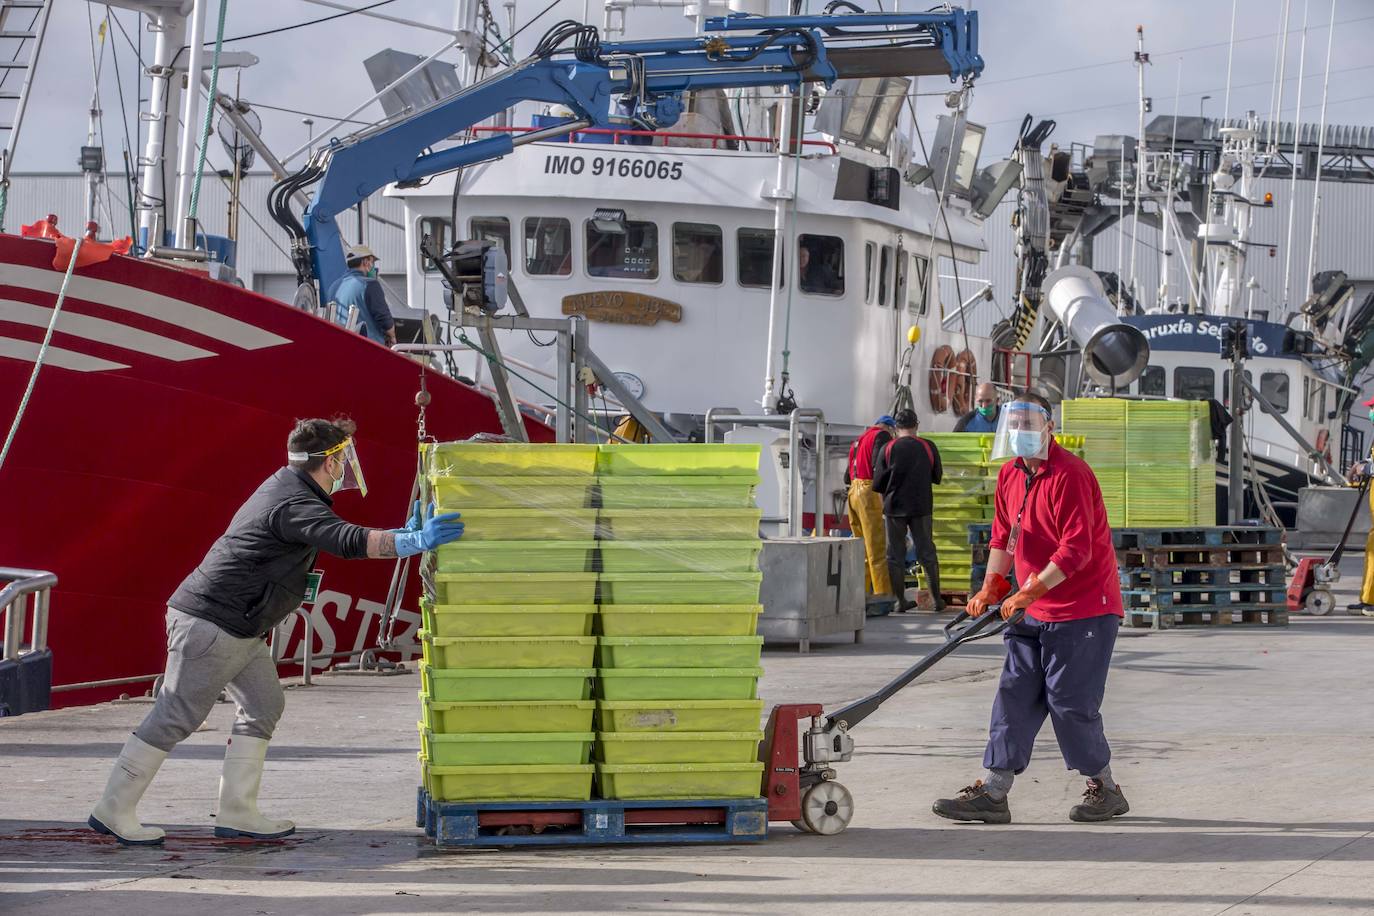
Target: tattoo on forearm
column 381, row 544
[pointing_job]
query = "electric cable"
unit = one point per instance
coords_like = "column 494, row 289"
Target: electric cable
column 301, row 25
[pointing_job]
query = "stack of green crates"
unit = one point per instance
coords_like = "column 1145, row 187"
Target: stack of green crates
column 677, row 683
column 1152, row 459
column 616, row 580
column 509, row 615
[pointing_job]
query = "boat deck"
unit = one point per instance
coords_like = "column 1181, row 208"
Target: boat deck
column 1244, row 752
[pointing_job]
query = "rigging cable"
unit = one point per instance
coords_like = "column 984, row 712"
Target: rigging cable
column 301, row 25
column 130, row 184
column 193, row 209
column 42, row 352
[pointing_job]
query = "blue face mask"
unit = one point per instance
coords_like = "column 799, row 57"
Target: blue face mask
column 1025, row 443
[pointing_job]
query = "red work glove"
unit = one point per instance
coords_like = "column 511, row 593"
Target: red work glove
column 995, row 588
column 1029, row 593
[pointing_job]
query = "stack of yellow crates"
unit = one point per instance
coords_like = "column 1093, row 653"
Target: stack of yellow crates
column 628, row 574
column 1153, row 459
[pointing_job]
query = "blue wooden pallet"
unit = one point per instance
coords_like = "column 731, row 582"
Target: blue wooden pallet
column 1247, row 576
column 1182, row 538
column 1165, row 619
column 1202, row 597
column 458, row 825
column 979, row 533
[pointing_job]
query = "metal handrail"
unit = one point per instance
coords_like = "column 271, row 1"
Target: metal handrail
column 796, row 501
column 616, row 133
column 308, row 645
column 14, row 598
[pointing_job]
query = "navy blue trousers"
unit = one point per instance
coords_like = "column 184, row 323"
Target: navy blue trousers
column 1057, row 670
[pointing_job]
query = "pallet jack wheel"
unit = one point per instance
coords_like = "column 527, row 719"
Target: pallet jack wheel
column 827, row 808
column 1319, row 602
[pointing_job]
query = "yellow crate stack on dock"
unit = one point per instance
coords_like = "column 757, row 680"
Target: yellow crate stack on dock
column 601, row 597
column 1152, row 459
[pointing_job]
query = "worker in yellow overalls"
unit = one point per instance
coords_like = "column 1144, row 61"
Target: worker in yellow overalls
column 866, row 507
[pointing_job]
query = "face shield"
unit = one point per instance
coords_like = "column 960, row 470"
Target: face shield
column 1022, row 431
column 347, row 454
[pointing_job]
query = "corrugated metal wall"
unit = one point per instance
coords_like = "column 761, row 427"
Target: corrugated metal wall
column 262, row 244
column 1346, row 242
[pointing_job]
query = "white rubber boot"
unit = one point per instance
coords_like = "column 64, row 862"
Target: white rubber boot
column 115, row 814
column 238, row 794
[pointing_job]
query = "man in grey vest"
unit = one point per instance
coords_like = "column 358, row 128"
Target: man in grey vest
column 253, row 577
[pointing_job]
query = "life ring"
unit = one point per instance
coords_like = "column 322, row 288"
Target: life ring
column 938, row 378
column 963, row 376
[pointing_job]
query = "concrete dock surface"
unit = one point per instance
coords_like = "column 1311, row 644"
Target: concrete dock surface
column 1244, row 752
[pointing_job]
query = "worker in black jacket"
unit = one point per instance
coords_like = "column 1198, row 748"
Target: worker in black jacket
column 253, row 577
column 903, row 472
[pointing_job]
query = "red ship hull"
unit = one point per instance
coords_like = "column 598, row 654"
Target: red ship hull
column 165, row 400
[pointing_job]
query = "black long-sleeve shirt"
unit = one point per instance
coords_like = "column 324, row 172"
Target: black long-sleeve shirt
column 903, row 472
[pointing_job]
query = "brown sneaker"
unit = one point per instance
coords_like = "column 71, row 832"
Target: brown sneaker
column 1099, row 803
column 973, row 803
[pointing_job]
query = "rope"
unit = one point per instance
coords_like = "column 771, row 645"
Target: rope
column 4, row 200
column 209, row 114
column 42, row 350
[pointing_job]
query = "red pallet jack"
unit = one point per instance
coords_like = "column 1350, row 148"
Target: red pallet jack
column 1310, row 589
column 798, row 779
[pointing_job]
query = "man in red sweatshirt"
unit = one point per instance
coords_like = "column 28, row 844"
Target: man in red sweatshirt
column 1051, row 520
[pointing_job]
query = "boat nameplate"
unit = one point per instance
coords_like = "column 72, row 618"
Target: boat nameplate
column 620, row 307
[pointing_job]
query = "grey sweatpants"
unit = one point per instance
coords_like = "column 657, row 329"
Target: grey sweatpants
column 202, row 661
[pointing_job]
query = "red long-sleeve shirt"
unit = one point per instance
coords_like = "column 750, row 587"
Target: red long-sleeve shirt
column 1064, row 523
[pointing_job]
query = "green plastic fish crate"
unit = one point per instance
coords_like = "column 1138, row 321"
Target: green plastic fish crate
column 507, row 716
column 684, row 525
column 678, row 747
column 639, row 492
column 678, row 715
column 508, row 651
column 528, row 524
column 540, row 782
column 680, row 619
column 514, row 588
column 471, row 620
column 679, row 652
column 680, row 556
column 680, row 588
column 504, row 749
column 685, row 460
column 501, row 459
column 530, row 492
column 463, row 556
column 679, row 683
column 629, row 781
column 476, row 684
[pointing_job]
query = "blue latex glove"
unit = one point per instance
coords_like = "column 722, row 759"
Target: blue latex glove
column 416, row 520
column 437, row 530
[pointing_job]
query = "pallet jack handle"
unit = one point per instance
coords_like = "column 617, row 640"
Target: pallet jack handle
column 962, row 629
column 1339, row 549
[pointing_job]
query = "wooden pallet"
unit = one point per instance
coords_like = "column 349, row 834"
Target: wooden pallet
column 1267, row 616
column 1194, row 556
column 461, row 825
column 1137, row 538
column 979, row 533
column 1203, row 597
column 1236, row 576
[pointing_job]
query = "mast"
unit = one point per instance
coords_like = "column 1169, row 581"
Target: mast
column 160, row 147
column 1141, row 59
column 1293, row 182
column 190, row 124
column 1321, row 141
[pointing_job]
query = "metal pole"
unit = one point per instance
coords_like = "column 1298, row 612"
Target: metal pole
column 794, row 489
column 781, row 195
column 1293, row 182
column 582, row 355
column 1140, row 59
column 162, row 108
column 563, row 424
column 1321, row 142
column 1235, row 483
column 190, row 109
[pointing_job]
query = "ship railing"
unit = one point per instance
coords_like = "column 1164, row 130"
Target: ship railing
column 617, row 134
column 26, row 595
column 793, row 423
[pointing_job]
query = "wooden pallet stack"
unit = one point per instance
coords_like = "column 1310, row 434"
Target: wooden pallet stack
column 1174, row 577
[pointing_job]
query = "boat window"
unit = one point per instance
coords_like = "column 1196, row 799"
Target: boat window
column 1226, row 388
column 548, row 246
column 1194, row 383
column 870, row 250
column 884, row 270
column 492, row 229
column 1151, row 382
column 820, row 264
column 629, row 250
column 440, row 233
column 1314, row 400
column 755, row 257
column 1274, row 387
column 698, row 253
column 916, row 300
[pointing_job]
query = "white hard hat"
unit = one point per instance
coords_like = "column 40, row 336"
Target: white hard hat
column 358, row 252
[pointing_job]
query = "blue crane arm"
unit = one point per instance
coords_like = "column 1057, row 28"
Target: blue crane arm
column 780, row 51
